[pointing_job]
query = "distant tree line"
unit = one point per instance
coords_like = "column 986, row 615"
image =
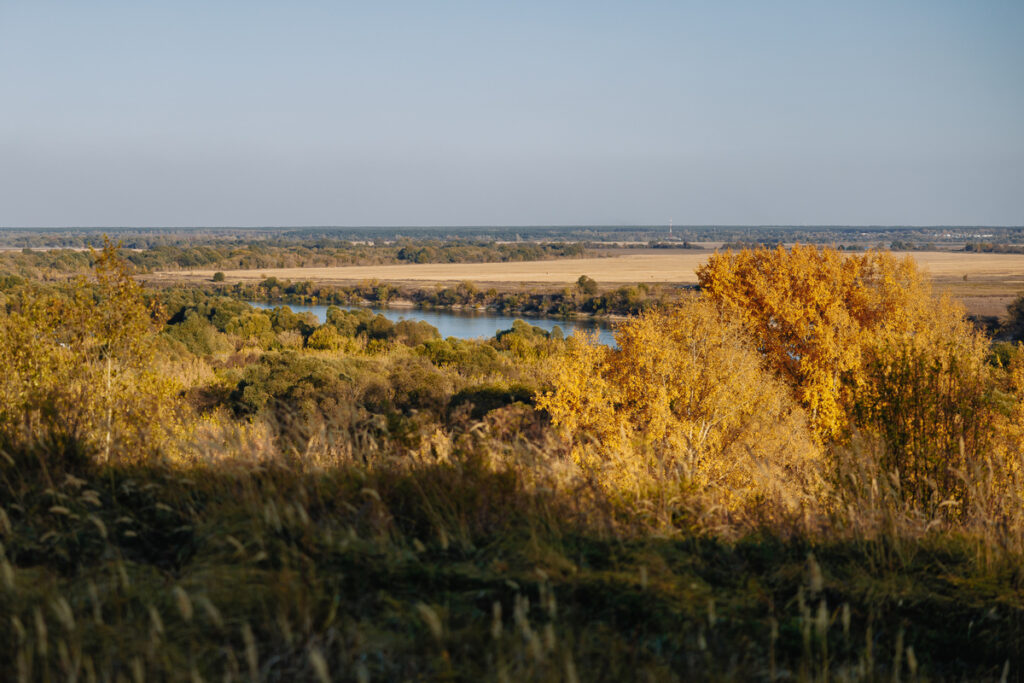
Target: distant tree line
column 584, row 297
column 593, row 236
column 990, row 248
column 230, row 255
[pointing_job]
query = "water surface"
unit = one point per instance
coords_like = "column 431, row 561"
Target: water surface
column 462, row 324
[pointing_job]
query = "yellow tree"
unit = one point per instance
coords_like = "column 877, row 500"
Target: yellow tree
column 811, row 312
column 583, row 400
column 864, row 344
column 77, row 366
column 683, row 398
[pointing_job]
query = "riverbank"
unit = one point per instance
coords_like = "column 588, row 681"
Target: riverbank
column 584, row 301
column 465, row 323
column 408, row 304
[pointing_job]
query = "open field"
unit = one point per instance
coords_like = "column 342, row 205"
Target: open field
column 986, row 283
column 642, row 267
column 647, row 266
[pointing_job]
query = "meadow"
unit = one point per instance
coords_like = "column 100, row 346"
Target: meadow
column 811, row 470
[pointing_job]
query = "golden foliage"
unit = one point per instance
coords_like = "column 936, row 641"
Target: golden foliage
column 812, row 311
column 80, row 365
column 1004, row 465
column 929, row 393
column 865, row 346
column 682, row 398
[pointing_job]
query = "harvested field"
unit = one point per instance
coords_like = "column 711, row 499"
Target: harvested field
column 616, row 269
column 985, row 282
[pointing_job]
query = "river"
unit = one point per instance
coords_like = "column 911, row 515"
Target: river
column 464, row 324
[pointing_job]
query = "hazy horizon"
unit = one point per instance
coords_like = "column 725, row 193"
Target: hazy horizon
column 408, row 115
column 536, row 226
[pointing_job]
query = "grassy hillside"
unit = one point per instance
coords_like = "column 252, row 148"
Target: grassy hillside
column 771, row 481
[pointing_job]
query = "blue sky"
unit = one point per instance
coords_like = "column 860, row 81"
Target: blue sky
column 516, row 113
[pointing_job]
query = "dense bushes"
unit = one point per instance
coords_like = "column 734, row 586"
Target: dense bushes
column 857, row 341
column 76, row 367
column 932, row 398
column 483, row 399
column 467, row 357
column 198, row 335
column 205, row 323
column 292, row 382
column 684, row 398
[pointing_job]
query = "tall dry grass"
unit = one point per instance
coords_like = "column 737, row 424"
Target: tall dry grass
column 483, row 557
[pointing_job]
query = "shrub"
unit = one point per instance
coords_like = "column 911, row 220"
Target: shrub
column 587, row 285
column 525, row 341
column 865, row 346
column 347, row 322
column 306, row 383
column 299, row 394
column 812, row 312
column 289, row 339
column 326, row 338
column 484, row 398
column 414, row 332
column 418, row 385
column 199, row 336
column 252, row 327
column 684, row 398
column 930, row 395
column 468, row 356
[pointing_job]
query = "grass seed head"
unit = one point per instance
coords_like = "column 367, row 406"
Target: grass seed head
column 496, row 626
column 431, row 619
column 319, row 664
column 184, row 603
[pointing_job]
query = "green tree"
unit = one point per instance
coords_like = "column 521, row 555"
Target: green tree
column 587, row 285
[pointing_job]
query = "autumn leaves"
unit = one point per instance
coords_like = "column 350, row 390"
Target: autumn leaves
column 752, row 385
